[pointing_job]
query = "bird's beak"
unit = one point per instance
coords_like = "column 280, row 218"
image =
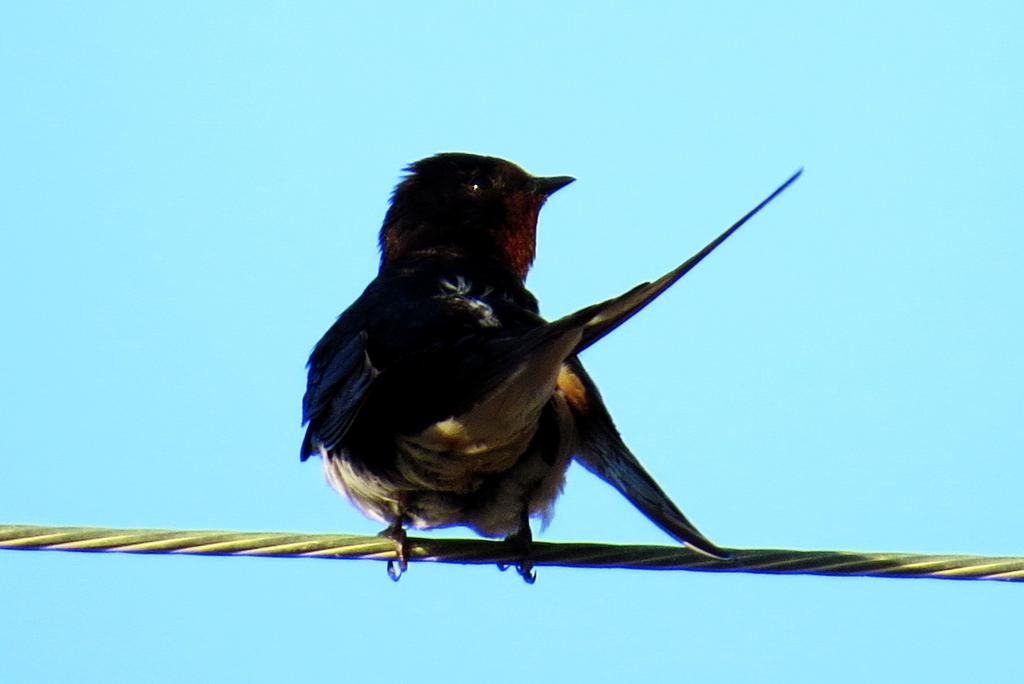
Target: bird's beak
column 548, row 186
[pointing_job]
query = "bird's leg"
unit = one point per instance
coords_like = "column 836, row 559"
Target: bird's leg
column 521, row 542
column 396, row 532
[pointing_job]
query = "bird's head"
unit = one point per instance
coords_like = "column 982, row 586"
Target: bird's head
column 468, row 205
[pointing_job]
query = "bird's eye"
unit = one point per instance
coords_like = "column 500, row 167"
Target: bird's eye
column 479, row 184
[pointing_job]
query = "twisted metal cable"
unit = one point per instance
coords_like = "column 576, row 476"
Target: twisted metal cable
column 277, row 545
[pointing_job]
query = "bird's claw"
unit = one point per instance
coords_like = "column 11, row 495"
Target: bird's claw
column 525, row 569
column 527, row 572
column 396, row 570
column 521, row 542
column 396, row 533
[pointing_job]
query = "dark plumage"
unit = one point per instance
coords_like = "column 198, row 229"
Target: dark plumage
column 440, row 396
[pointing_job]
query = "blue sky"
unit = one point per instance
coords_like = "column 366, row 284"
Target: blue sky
column 191, row 193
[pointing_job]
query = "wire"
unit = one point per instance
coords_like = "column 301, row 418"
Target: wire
column 286, row 545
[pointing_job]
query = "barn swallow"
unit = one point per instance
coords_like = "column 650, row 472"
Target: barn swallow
column 441, row 397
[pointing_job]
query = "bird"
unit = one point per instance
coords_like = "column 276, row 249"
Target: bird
column 440, row 397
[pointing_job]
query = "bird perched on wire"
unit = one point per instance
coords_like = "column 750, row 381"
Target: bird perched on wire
column 441, row 397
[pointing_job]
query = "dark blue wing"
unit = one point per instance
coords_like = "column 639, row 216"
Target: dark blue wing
column 340, row 373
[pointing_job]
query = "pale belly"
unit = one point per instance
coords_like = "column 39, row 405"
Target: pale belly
column 451, row 474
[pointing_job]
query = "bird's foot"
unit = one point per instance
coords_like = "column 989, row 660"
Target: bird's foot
column 396, row 532
column 520, row 544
